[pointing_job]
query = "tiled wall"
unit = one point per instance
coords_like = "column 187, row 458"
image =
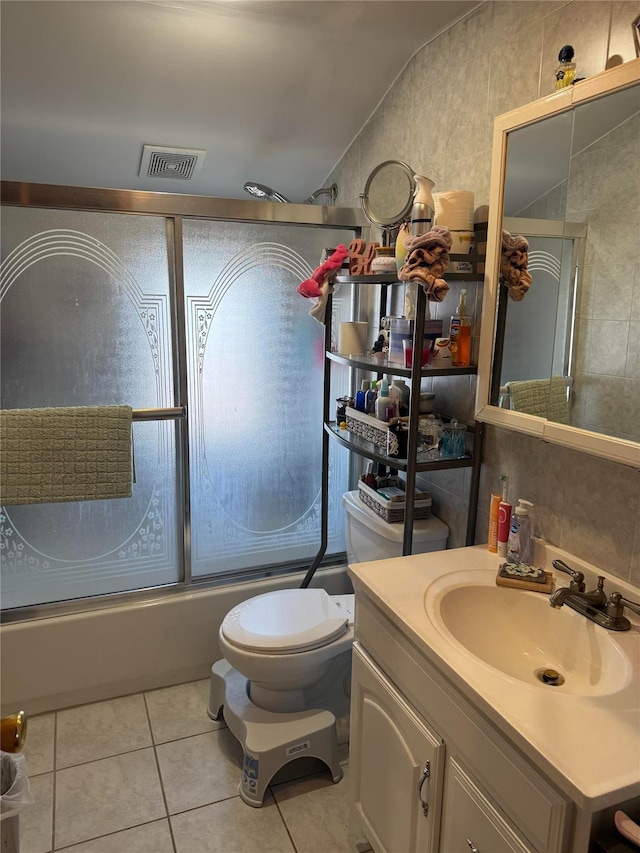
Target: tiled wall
column 438, row 117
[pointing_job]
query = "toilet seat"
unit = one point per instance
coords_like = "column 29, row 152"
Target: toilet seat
column 285, row 622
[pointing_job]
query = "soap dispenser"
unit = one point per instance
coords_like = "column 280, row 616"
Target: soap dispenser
column 520, row 545
column 422, row 210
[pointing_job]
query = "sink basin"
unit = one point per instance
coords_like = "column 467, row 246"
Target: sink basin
column 522, row 636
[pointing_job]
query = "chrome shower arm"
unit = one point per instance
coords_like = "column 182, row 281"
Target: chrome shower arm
column 331, row 190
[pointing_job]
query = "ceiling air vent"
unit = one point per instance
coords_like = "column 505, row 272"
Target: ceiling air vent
column 159, row 161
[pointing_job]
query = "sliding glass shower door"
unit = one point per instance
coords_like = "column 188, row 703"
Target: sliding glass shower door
column 95, row 310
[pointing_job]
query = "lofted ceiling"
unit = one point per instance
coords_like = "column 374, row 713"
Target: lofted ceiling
column 272, row 91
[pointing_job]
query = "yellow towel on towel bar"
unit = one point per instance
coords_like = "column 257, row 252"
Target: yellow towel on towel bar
column 65, row 454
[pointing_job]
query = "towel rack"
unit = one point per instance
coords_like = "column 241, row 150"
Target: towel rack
column 159, row 414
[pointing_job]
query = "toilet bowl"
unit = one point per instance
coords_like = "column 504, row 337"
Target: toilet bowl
column 286, row 642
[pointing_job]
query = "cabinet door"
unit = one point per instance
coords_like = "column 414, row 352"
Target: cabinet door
column 470, row 823
column 396, row 763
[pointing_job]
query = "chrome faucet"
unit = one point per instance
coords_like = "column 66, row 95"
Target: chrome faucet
column 566, row 594
column 607, row 612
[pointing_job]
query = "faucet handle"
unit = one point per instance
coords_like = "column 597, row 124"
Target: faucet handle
column 617, row 603
column 577, row 578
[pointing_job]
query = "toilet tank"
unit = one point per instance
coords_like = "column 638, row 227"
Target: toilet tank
column 369, row 537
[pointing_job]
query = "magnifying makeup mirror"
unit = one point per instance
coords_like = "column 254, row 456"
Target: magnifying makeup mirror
column 388, row 196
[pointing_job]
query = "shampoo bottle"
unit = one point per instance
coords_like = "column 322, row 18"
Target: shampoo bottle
column 370, row 399
column 384, row 400
column 361, row 395
column 519, row 547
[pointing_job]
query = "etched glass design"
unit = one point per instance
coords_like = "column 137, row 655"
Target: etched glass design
column 255, row 360
column 86, row 321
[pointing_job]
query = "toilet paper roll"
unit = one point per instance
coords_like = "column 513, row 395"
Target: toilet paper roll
column 462, row 242
column 353, row 338
column 454, row 209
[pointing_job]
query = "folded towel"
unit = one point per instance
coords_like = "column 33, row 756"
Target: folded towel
column 546, row 398
column 65, row 454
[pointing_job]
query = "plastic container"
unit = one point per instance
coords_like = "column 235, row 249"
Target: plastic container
column 519, row 544
column 452, row 440
column 15, row 795
column 369, row 537
column 384, row 260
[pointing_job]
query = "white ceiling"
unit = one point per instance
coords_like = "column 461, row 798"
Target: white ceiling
column 274, row 92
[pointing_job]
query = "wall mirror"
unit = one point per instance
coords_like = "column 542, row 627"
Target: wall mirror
column 564, row 362
column 388, row 196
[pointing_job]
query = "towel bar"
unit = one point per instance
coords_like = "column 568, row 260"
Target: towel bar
column 159, row 414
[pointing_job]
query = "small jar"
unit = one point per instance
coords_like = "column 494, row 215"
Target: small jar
column 384, row 260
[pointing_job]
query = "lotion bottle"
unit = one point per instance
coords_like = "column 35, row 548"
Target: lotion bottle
column 519, row 547
column 384, row 400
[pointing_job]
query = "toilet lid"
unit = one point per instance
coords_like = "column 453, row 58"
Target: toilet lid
column 289, row 620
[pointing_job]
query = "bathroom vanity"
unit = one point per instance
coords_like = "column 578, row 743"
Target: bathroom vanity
column 457, row 744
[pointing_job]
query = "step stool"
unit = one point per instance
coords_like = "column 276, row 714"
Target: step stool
column 269, row 740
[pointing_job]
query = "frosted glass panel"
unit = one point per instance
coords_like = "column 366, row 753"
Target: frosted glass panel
column 255, row 396
column 85, row 321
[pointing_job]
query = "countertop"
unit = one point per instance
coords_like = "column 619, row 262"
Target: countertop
column 588, row 745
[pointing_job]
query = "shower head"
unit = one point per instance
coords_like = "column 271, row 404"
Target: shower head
column 263, row 192
column 331, row 190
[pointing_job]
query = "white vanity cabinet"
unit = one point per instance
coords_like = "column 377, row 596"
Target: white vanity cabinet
column 397, row 763
column 482, row 795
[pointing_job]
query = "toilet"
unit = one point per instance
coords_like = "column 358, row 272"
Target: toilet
column 285, row 641
column 284, row 681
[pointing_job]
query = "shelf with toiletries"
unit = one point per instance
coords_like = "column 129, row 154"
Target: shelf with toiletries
column 371, row 437
column 375, row 453
column 364, row 361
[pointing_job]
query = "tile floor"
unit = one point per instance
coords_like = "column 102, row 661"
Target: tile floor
column 151, row 773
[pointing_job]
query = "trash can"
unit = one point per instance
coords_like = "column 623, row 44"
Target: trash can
column 15, row 794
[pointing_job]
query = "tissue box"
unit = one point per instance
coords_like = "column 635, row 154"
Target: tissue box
column 403, row 330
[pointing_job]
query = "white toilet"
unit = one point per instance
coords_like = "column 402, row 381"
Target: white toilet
column 283, row 642
column 284, row 680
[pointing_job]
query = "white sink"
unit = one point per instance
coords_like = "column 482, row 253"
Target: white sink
column 522, row 636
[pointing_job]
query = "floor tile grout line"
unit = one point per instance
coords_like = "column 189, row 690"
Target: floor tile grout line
column 55, row 779
column 282, row 818
column 69, row 847
column 162, row 789
column 104, row 758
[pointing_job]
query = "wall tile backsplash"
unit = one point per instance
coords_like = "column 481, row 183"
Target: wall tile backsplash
column 438, row 117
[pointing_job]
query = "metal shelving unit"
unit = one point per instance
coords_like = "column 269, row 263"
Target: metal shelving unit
column 411, row 465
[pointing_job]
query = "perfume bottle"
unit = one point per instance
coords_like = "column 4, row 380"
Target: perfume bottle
column 566, row 71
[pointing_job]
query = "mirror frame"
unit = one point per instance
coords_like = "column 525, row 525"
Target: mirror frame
column 395, row 221
column 609, row 447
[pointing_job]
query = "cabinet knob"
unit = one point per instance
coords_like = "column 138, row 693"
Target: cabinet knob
column 472, row 846
column 426, row 772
